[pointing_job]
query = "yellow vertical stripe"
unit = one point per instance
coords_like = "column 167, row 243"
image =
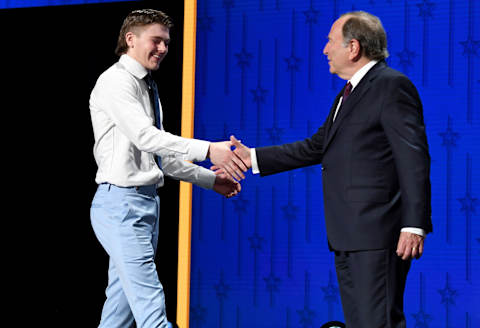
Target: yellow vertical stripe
column 185, row 211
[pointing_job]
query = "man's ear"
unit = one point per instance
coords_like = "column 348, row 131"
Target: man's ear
column 129, row 37
column 355, row 49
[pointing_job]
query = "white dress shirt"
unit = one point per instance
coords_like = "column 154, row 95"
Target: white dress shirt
column 356, row 78
column 126, row 138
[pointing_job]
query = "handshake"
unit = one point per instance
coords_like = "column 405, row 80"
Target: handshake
column 229, row 165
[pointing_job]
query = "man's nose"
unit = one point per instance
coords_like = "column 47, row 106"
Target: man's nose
column 325, row 49
column 162, row 47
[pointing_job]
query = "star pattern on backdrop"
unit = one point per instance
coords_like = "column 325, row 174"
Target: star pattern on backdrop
column 421, row 319
column 256, row 241
column 228, row 4
column 272, row 282
column 221, row 289
column 259, row 94
column 311, row 15
column 448, row 295
column 275, row 134
column 293, row 63
column 406, row 58
column 198, row 313
column 468, row 204
column 449, row 137
column 205, row 23
column 290, row 211
column 470, row 47
column 330, row 291
column 425, row 8
column 243, row 58
column 306, row 316
column 240, row 204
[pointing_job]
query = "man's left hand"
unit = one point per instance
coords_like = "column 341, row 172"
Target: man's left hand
column 225, row 185
column 410, row 245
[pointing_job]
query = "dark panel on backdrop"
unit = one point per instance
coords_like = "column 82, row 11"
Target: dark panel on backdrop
column 52, row 57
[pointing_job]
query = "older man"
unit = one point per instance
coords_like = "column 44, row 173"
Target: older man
column 375, row 170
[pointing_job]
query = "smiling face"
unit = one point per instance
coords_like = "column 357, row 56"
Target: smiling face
column 148, row 45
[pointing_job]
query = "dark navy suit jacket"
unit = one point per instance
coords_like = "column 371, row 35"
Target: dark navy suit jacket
column 375, row 163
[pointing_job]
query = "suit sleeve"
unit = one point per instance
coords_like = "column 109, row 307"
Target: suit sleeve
column 402, row 120
column 280, row 158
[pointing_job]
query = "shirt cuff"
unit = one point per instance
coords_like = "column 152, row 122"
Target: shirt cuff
column 417, row 231
column 206, row 178
column 198, row 150
column 253, row 158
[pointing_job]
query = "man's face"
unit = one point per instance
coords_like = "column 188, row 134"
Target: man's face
column 336, row 52
column 149, row 45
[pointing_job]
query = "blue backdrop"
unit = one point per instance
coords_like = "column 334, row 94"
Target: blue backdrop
column 261, row 259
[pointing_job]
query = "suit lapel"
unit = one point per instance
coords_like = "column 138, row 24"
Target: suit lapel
column 349, row 105
column 332, row 113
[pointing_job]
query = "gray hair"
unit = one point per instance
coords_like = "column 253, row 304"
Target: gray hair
column 368, row 30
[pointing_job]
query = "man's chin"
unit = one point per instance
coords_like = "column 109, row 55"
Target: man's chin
column 155, row 67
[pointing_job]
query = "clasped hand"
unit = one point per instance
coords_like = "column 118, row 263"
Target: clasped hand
column 229, row 165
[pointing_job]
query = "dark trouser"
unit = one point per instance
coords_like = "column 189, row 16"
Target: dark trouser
column 371, row 288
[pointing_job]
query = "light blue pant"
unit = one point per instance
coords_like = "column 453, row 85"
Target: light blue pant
column 125, row 221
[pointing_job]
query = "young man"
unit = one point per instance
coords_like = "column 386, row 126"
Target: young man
column 133, row 153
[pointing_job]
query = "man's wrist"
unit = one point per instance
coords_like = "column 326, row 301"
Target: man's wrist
column 417, row 231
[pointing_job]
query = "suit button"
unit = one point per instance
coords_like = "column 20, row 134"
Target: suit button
column 323, row 168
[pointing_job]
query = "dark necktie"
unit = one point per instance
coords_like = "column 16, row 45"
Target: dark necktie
column 346, row 93
column 154, row 100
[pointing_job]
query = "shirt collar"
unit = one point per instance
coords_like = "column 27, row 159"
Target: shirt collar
column 358, row 76
column 133, row 66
